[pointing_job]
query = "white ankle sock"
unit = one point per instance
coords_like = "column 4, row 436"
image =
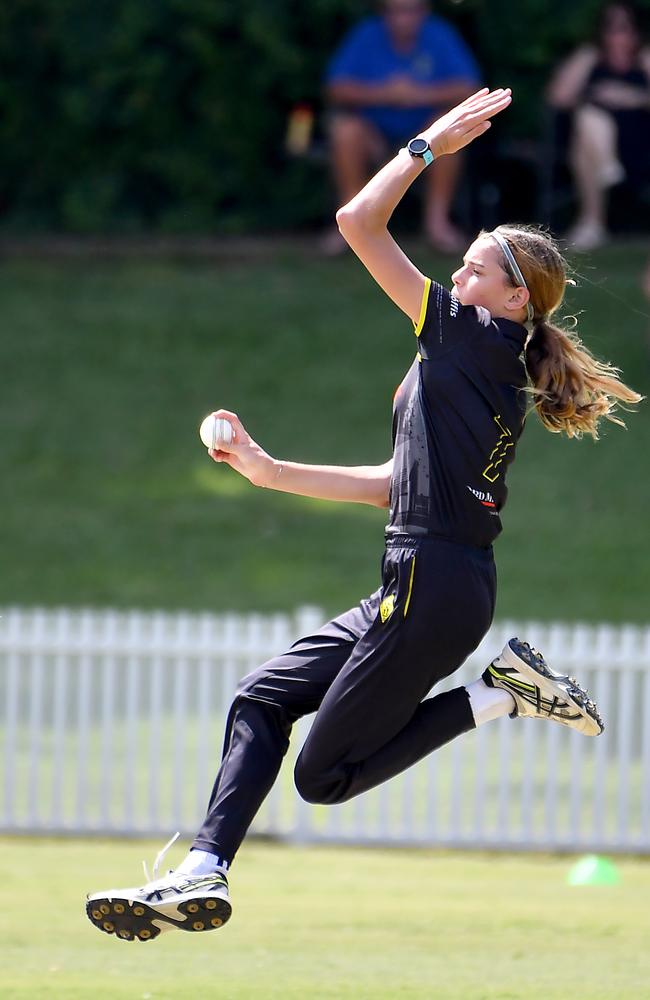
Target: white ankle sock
column 201, row 863
column 488, row 703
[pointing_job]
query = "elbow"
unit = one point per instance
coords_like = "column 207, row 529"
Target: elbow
column 552, row 95
column 382, row 500
column 357, row 224
column 348, row 221
column 341, row 218
column 383, row 495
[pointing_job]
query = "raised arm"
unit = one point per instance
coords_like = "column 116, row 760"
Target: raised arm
column 569, row 79
column 364, row 220
column 355, row 484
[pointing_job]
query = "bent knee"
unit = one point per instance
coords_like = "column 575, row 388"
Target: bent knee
column 317, row 788
column 252, row 684
column 346, row 129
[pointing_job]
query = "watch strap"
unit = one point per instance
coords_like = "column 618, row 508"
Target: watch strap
column 420, row 154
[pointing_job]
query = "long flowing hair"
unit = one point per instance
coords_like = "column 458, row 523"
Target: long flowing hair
column 572, row 390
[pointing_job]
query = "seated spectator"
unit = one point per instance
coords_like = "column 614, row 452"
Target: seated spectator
column 391, row 75
column 607, row 88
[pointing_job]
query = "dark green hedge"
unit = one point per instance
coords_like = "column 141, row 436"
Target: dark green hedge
column 124, row 115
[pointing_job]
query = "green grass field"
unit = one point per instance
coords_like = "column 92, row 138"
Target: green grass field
column 341, row 923
column 109, row 499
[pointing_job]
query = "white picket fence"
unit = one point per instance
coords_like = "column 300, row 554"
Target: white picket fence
column 112, row 724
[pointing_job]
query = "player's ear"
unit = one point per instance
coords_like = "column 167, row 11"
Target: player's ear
column 517, row 298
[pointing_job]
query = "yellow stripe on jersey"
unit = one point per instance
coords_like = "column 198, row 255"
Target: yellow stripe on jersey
column 423, row 307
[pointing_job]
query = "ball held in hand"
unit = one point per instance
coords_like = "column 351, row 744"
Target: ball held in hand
column 215, row 431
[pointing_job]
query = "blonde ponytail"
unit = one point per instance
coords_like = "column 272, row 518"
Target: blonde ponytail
column 573, row 391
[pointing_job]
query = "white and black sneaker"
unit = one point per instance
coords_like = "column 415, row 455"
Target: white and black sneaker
column 173, row 902
column 539, row 692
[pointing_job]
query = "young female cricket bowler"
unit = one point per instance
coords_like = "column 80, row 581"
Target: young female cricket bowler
column 484, row 350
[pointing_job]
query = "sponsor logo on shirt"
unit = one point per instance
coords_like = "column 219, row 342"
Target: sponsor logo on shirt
column 485, row 498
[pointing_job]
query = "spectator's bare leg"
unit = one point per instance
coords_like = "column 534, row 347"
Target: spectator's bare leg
column 595, row 168
column 354, row 146
column 441, row 182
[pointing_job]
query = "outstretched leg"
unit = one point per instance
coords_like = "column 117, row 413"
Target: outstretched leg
column 441, row 184
column 596, row 168
column 354, row 145
column 268, row 702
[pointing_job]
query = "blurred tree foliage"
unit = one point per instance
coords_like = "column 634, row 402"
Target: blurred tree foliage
column 127, row 115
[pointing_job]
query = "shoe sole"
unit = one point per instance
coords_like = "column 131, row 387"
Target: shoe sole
column 533, row 666
column 133, row 920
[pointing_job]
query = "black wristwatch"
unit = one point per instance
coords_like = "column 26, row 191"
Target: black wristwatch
column 420, row 148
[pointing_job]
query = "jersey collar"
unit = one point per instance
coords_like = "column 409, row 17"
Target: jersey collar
column 515, row 333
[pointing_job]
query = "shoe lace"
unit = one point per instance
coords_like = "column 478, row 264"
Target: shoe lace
column 572, row 679
column 159, row 856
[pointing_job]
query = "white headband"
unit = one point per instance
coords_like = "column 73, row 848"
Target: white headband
column 515, row 271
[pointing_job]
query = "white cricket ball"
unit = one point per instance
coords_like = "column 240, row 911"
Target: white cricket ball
column 215, row 431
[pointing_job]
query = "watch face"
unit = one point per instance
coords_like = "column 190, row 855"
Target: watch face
column 418, row 147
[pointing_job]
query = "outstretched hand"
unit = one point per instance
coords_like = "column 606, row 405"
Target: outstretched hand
column 466, row 122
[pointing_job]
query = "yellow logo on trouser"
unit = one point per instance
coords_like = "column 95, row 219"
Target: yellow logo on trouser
column 387, row 607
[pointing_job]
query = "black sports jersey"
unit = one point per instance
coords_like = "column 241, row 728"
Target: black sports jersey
column 457, row 417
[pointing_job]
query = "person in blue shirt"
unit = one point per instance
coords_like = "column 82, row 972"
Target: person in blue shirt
column 389, row 76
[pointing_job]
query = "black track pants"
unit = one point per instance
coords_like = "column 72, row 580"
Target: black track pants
column 366, row 675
